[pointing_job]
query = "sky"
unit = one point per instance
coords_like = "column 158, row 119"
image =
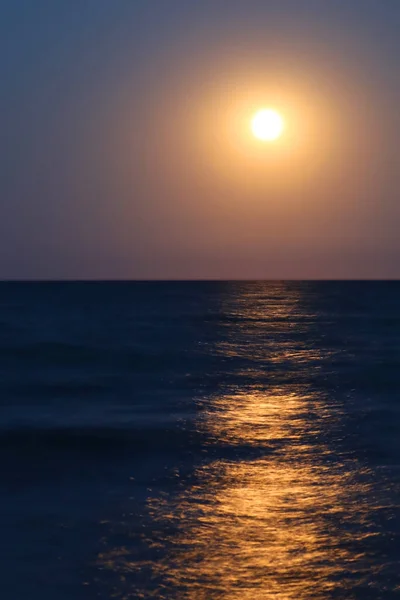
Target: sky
column 126, row 150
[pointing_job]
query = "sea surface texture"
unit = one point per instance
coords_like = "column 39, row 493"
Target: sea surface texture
column 200, row 441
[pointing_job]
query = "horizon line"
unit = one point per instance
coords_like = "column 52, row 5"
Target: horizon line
column 199, row 280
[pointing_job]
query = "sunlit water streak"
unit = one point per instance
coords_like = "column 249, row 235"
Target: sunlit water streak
column 276, row 505
column 190, row 441
column 286, row 525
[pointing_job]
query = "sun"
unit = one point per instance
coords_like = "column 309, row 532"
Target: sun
column 267, row 125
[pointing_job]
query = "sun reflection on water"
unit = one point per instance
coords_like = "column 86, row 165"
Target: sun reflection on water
column 254, row 418
column 258, row 528
column 252, row 525
column 261, row 528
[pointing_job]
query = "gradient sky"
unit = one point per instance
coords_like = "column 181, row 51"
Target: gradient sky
column 126, row 150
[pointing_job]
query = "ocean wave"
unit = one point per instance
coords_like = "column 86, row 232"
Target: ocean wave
column 74, row 354
column 96, row 440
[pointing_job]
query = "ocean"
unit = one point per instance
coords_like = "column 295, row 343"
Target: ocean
column 200, row 440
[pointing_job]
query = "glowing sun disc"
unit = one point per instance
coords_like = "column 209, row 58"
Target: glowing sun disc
column 267, row 125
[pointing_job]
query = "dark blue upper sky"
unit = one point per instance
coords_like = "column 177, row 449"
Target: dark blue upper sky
column 118, row 128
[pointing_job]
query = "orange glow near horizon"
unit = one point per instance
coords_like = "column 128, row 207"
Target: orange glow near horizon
column 200, row 167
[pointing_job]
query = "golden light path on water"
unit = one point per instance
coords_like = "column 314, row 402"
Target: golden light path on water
column 270, row 517
column 259, row 528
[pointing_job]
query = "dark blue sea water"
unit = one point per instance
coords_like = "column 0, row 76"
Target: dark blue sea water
column 190, row 441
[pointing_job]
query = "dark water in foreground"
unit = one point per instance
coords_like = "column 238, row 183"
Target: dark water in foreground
column 199, row 441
